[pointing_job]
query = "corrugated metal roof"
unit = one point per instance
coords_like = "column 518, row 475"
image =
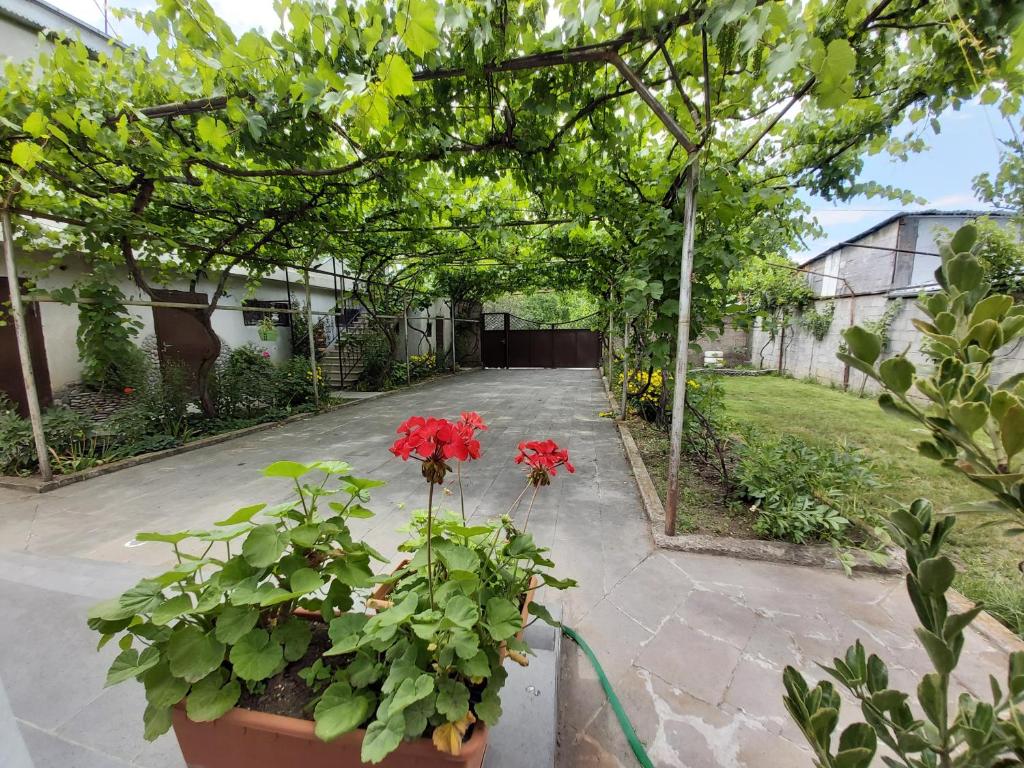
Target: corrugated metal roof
column 966, row 213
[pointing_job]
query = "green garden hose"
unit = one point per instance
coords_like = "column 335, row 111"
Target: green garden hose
column 620, row 713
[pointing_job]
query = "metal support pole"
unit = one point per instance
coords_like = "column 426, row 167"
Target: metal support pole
column 405, row 343
column 24, row 353
column 337, row 325
column 609, row 366
column 625, row 364
column 453, row 333
column 312, row 344
column 682, row 348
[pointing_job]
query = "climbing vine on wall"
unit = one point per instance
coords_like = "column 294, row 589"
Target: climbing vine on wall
column 881, row 326
column 818, row 323
column 105, row 333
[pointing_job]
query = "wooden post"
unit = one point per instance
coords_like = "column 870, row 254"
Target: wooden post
column 312, row 343
column 682, row 348
column 625, row 364
column 24, row 353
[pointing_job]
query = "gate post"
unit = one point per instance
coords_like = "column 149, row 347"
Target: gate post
column 507, row 324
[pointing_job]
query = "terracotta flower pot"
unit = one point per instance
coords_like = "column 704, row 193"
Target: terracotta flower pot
column 244, row 738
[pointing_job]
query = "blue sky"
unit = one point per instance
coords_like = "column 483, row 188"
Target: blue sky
column 967, row 145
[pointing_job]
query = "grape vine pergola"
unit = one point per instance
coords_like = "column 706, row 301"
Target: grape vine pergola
column 642, row 149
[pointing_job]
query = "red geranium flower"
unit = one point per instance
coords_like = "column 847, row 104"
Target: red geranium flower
column 472, row 419
column 433, row 441
column 544, row 457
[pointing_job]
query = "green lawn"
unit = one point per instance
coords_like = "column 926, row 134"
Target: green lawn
column 989, row 560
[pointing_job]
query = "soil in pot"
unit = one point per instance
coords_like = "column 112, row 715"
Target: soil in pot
column 286, row 693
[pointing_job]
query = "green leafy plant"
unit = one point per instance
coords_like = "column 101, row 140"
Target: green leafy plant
column 980, row 734
column 818, row 323
column 422, row 366
column 374, row 351
column 70, row 438
column 975, row 429
column 104, row 337
column 249, row 598
column 294, row 382
column 223, row 619
column 976, row 426
column 802, row 492
column 162, row 400
column 455, row 608
column 245, row 383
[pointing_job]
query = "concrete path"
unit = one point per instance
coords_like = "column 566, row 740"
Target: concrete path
column 694, row 644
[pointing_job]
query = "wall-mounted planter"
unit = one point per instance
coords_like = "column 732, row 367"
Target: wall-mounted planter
column 268, row 334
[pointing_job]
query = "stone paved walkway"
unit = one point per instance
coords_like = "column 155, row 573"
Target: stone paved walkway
column 694, row 644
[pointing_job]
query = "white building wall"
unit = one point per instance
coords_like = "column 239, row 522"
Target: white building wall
column 420, row 320
column 60, row 321
column 20, row 42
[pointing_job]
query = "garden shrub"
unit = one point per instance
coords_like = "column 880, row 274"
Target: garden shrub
column 70, row 439
column 802, row 492
column 17, row 453
column 422, row 366
column 163, row 399
column 294, row 382
column 967, row 326
column 246, row 382
column 375, row 351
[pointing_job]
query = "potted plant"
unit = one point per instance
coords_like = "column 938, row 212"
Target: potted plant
column 267, row 330
column 256, row 649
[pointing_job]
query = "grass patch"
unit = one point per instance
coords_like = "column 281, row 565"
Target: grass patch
column 989, row 561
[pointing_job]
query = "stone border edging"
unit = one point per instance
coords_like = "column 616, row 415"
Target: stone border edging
column 810, row 555
column 37, row 485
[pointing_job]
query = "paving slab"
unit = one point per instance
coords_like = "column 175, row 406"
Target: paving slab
column 694, row 644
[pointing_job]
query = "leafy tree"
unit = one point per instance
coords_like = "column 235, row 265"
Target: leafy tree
column 410, row 136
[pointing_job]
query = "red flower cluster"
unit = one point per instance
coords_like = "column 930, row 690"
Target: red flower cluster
column 544, row 457
column 433, row 439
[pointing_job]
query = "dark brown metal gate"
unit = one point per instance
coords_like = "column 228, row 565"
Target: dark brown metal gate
column 514, row 342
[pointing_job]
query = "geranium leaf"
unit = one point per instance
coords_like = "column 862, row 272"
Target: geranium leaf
column 211, row 697
column 193, row 654
column 162, row 688
column 294, row 635
column 340, row 711
column 503, row 618
column 264, row 545
column 255, row 656
column 234, row 622
column 382, row 738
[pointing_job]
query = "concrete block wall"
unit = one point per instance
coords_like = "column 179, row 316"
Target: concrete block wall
column 804, row 357
column 734, row 342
